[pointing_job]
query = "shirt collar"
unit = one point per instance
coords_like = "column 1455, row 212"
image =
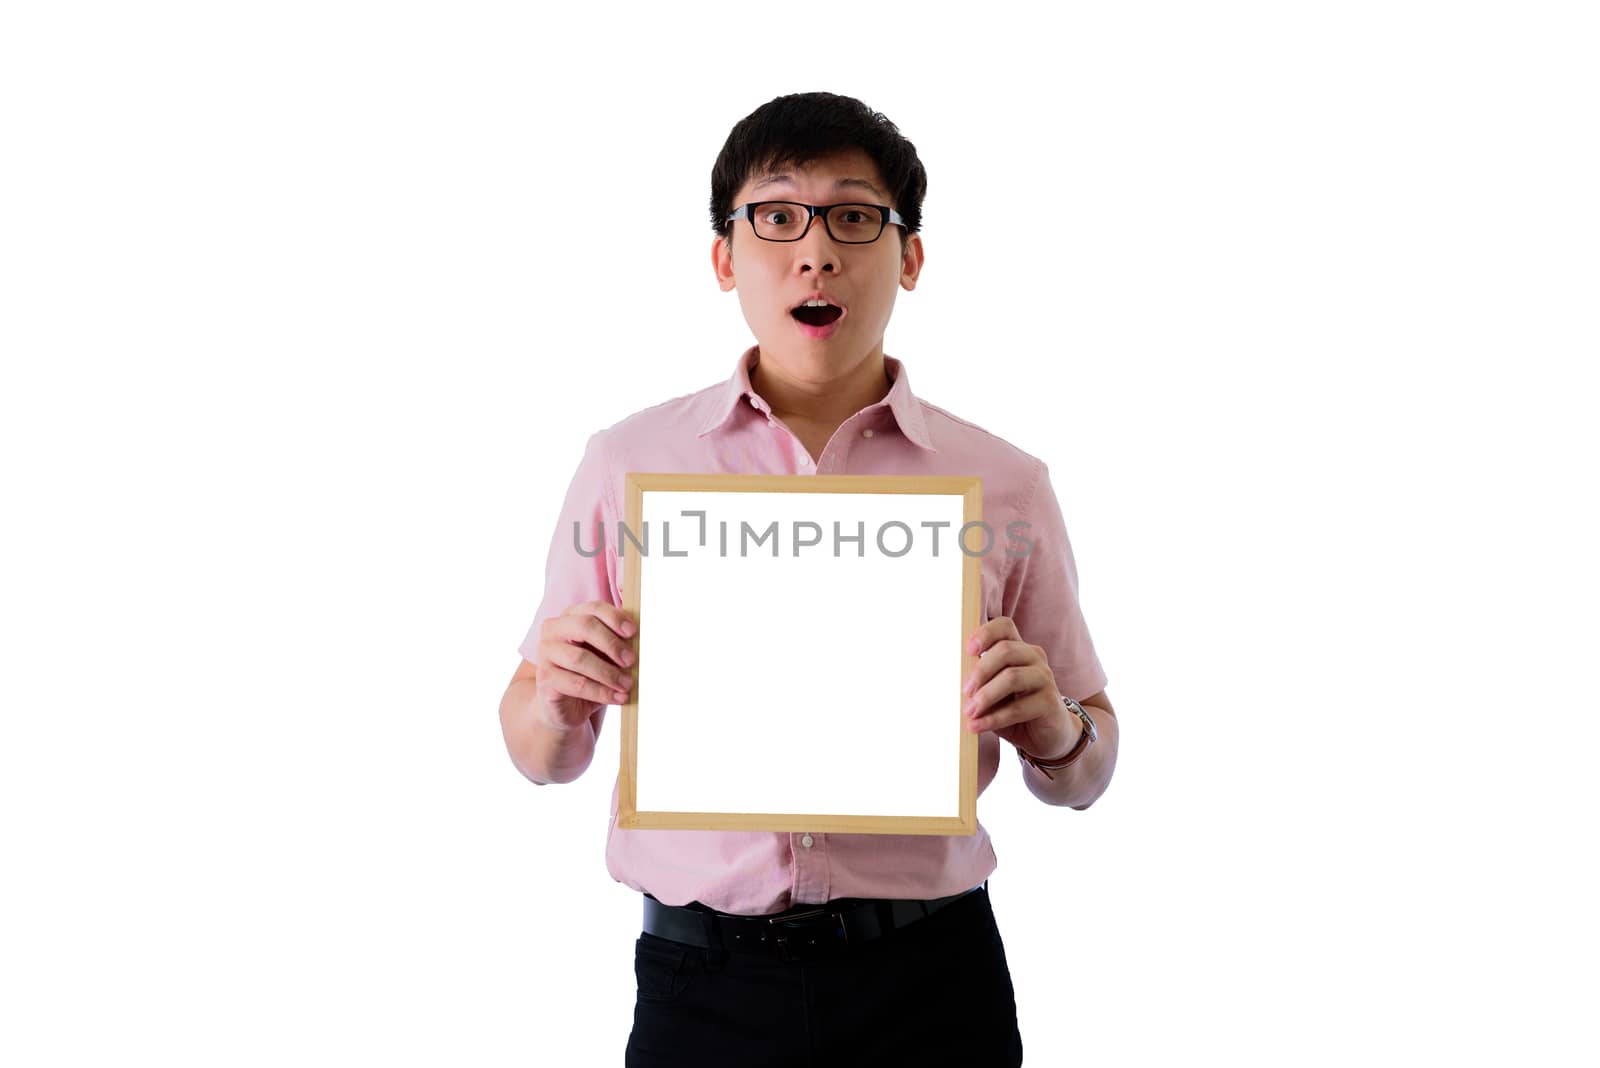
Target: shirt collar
column 900, row 401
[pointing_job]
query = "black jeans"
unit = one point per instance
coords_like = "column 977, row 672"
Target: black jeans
column 937, row 992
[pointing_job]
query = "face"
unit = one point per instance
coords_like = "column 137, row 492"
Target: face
column 773, row 277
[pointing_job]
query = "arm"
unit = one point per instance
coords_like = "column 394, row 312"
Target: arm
column 1040, row 594
column 1079, row 784
column 544, row 755
column 575, row 574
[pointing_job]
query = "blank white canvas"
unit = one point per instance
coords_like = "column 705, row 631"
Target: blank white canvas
column 807, row 684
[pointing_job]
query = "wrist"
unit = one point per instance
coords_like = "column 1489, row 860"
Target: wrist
column 1074, row 730
column 1085, row 738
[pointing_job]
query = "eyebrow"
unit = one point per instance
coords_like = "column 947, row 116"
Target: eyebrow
column 842, row 183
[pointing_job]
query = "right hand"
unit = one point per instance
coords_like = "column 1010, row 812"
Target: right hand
column 584, row 663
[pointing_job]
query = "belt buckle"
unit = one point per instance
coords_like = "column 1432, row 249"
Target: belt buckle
column 787, row 950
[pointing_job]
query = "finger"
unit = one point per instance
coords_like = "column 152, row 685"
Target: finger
column 608, row 615
column 996, row 657
column 581, row 660
column 1010, row 711
column 559, row 680
column 1020, row 681
column 579, row 626
column 997, row 629
column 1000, row 715
column 615, row 618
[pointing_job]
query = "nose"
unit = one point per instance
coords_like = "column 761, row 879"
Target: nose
column 817, row 253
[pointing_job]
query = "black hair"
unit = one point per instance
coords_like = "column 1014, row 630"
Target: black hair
column 800, row 128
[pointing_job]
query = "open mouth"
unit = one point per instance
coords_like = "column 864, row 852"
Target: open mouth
column 822, row 315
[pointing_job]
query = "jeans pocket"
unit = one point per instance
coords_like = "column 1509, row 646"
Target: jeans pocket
column 660, row 968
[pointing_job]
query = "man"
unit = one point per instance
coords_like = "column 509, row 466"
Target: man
column 816, row 203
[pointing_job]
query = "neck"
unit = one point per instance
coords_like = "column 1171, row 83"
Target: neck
column 823, row 397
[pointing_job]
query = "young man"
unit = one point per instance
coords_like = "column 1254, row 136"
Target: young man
column 893, row 954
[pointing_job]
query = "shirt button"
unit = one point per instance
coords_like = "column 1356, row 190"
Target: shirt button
column 771, row 421
column 753, row 403
column 867, row 433
column 806, row 841
column 805, row 461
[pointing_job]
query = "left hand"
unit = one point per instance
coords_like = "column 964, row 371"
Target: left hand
column 1012, row 691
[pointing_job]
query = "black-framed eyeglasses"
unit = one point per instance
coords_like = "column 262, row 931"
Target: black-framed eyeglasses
column 789, row 220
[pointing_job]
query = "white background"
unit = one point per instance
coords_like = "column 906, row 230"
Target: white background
column 306, row 312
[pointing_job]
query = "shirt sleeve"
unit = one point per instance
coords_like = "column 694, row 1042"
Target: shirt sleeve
column 1040, row 595
column 574, row 571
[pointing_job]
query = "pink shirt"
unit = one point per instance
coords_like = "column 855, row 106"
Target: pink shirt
column 728, row 428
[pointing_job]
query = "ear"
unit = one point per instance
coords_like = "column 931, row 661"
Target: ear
column 911, row 262
column 722, row 263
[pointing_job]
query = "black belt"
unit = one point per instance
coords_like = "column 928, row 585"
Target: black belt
column 800, row 933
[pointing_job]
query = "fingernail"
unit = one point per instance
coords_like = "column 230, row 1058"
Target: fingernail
column 968, row 687
column 627, row 657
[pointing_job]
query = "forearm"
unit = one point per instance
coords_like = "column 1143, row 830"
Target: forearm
column 1079, row 784
column 544, row 755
